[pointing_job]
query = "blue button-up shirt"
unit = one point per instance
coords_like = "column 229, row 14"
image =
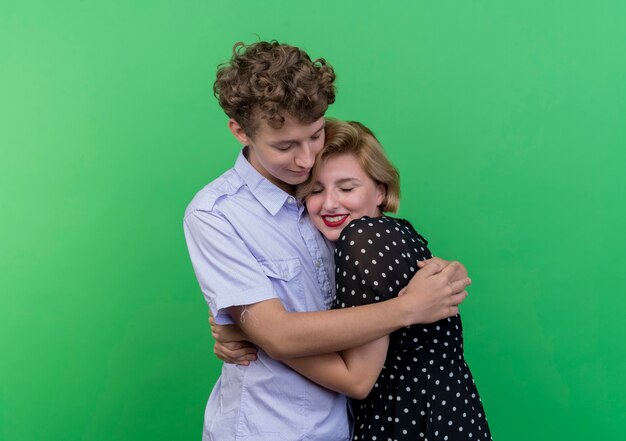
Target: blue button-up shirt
column 249, row 241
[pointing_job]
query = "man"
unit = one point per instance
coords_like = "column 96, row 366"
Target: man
column 262, row 265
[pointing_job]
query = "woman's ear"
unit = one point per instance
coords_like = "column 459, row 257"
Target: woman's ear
column 381, row 194
column 238, row 132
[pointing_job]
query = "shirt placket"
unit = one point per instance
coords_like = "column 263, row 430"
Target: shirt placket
column 312, row 240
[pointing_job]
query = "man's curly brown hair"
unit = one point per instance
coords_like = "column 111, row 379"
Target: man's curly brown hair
column 265, row 79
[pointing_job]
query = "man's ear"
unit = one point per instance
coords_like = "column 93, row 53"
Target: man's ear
column 238, row 132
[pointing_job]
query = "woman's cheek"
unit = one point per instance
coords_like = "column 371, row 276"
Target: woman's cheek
column 313, row 205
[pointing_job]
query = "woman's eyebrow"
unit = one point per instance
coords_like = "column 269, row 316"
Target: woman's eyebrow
column 348, row 180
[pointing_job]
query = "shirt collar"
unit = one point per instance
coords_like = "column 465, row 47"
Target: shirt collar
column 268, row 194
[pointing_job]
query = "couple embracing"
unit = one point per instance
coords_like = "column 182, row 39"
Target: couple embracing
column 317, row 295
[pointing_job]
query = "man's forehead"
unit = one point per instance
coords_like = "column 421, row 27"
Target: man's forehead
column 292, row 128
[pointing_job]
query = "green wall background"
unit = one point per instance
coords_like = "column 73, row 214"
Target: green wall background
column 506, row 119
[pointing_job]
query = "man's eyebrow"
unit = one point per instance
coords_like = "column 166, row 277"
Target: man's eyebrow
column 319, row 130
column 290, row 141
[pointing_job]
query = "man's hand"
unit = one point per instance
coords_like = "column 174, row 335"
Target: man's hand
column 436, row 291
column 231, row 344
column 460, row 270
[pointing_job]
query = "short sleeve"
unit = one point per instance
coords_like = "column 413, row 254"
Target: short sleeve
column 226, row 270
column 375, row 258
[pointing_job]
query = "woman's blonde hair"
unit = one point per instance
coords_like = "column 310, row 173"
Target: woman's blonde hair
column 351, row 137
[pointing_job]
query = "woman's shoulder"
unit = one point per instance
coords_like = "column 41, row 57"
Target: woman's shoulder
column 364, row 226
column 379, row 229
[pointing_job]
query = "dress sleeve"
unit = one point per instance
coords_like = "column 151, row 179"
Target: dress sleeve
column 228, row 273
column 375, row 259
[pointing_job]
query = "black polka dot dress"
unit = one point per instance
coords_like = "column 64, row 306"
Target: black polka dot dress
column 425, row 390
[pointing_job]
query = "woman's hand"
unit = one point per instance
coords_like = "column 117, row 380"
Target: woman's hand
column 231, row 344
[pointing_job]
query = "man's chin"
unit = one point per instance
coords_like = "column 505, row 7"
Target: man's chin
column 297, row 180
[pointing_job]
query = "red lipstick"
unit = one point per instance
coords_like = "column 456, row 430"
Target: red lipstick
column 334, row 220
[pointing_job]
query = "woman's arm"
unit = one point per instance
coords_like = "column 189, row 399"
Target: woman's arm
column 368, row 271
column 232, row 344
column 352, row 372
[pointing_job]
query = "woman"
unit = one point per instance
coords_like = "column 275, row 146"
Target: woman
column 413, row 384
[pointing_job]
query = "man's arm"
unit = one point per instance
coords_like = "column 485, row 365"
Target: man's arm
column 352, row 372
column 432, row 294
column 215, row 248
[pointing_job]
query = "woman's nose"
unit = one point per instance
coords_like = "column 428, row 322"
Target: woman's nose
column 330, row 201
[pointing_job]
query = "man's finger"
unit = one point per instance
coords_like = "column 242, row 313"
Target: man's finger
column 460, row 285
column 455, row 271
column 457, row 299
column 450, row 269
column 437, row 260
column 430, row 270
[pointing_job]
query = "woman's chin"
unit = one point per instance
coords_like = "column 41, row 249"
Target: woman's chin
column 332, row 234
column 333, row 237
column 327, row 232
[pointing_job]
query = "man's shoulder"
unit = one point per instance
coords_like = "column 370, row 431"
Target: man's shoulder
column 215, row 192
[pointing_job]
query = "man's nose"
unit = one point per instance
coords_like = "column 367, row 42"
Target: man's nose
column 306, row 157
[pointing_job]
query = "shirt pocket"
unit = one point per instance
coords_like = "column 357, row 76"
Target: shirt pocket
column 286, row 277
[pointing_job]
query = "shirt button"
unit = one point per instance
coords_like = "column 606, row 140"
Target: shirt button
column 291, row 200
column 317, row 263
